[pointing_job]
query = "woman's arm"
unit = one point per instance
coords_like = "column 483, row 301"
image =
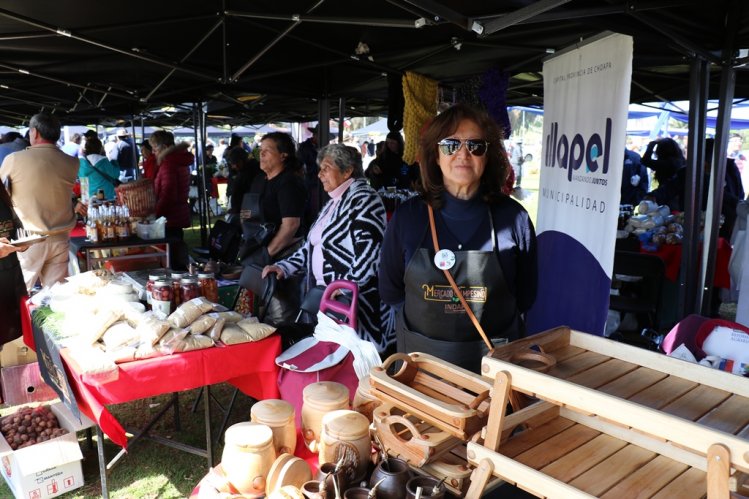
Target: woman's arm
column 367, row 228
column 284, row 236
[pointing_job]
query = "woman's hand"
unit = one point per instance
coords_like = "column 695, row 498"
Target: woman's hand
column 280, row 274
column 5, row 248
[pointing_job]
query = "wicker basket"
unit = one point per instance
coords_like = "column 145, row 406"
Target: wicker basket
column 138, row 196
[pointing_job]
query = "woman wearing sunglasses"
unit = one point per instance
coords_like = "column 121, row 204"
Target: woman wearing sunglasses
column 481, row 237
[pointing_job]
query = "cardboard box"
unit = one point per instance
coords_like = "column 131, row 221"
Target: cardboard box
column 16, row 353
column 24, row 384
column 49, row 468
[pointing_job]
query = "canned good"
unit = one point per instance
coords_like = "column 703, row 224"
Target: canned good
column 189, row 289
column 162, row 296
column 208, row 286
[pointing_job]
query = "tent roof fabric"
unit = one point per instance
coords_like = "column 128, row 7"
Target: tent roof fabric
column 263, row 61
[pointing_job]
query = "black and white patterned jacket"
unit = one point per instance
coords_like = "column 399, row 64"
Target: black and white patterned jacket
column 351, row 243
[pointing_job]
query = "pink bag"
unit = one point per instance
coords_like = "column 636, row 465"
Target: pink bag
column 309, row 360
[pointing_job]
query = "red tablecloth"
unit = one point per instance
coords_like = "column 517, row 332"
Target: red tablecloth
column 671, row 256
column 251, row 367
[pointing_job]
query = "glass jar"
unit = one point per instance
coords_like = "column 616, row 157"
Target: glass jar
column 152, row 278
column 208, row 286
column 189, row 289
column 176, row 281
column 162, row 296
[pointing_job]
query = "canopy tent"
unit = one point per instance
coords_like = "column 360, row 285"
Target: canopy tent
column 157, row 56
column 379, row 127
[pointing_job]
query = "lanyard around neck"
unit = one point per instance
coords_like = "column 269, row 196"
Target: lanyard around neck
column 450, row 279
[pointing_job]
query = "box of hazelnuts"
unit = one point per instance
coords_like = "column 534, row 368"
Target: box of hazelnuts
column 39, row 452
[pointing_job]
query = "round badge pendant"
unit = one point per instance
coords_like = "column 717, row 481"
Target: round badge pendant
column 444, row 259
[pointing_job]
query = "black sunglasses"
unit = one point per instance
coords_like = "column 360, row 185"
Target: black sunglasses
column 476, row 147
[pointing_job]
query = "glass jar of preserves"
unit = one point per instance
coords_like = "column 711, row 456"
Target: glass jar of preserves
column 153, row 276
column 176, row 278
column 189, row 288
column 162, row 295
column 208, row 286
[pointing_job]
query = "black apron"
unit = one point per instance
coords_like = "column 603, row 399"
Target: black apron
column 256, row 231
column 433, row 321
column 12, row 286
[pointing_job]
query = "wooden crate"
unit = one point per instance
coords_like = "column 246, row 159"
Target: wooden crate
column 452, row 399
column 613, row 421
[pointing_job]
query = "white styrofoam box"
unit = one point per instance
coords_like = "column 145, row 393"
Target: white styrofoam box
column 49, row 468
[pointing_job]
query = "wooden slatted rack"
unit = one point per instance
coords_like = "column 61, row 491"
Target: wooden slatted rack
column 612, row 420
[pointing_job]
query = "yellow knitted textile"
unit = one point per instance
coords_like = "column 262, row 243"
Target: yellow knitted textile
column 420, row 94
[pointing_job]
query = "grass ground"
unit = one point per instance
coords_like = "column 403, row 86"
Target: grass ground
column 150, row 470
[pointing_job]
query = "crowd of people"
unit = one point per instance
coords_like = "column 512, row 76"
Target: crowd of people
column 461, row 175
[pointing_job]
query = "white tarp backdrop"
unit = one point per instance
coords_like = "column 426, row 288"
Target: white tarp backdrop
column 586, row 94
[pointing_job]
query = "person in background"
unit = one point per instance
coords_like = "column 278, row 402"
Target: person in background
column 244, row 169
column 665, row 158
column 388, row 169
column 12, row 287
column 307, row 154
column 277, row 197
column 11, row 142
column 171, row 186
column 733, row 190
column 94, row 165
column 148, row 161
column 517, row 158
column 41, row 180
column 345, row 240
column 634, row 179
column 73, row 147
column 486, row 238
column 127, row 156
column 221, row 149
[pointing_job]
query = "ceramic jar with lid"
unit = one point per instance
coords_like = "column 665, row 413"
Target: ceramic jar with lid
column 248, row 456
column 278, row 415
column 364, row 402
column 318, row 399
column 345, row 436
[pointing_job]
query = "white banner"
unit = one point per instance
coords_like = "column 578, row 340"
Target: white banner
column 586, row 95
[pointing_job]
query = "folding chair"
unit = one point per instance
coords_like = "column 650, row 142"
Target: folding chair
column 640, row 280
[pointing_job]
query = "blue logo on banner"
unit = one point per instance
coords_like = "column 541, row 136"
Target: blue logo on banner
column 570, row 155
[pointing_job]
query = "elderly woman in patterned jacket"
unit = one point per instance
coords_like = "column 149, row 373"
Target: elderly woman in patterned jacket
column 344, row 242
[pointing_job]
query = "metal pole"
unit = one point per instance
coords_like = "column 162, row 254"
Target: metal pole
column 341, row 117
column 689, row 287
column 717, row 181
column 134, row 145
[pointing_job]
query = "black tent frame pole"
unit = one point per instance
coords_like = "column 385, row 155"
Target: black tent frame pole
column 717, row 181
column 718, row 170
column 199, row 137
column 689, row 285
column 341, row 117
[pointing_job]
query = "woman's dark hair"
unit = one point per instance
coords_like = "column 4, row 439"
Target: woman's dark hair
column 92, row 146
column 396, row 136
column 497, row 165
column 237, row 156
column 285, row 145
column 670, row 159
